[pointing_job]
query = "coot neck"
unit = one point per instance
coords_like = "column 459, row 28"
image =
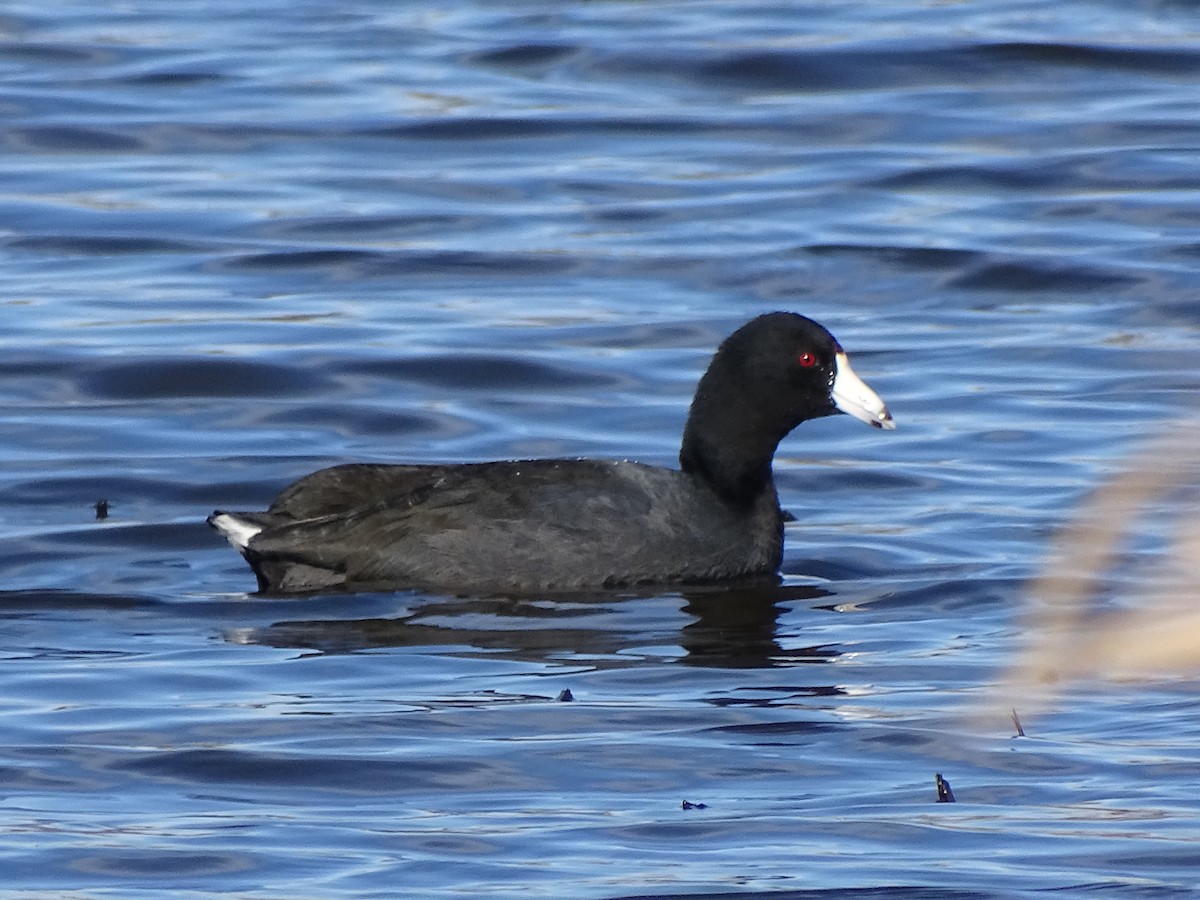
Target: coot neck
column 730, row 449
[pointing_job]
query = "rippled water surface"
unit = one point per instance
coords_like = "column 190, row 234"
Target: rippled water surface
column 242, row 241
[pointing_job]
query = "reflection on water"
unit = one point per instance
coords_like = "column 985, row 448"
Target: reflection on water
column 732, row 628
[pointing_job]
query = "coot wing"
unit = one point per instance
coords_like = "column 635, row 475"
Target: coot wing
column 549, row 524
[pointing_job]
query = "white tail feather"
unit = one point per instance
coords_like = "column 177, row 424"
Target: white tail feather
column 237, row 531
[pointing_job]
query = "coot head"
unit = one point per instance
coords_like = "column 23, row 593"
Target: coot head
column 773, row 373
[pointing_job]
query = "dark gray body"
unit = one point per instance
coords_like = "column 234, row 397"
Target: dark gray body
column 529, row 525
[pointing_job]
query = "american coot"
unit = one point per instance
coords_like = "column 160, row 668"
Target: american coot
column 564, row 524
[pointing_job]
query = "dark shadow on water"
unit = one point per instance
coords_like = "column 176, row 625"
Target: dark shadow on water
column 731, row 627
column 897, row 892
column 736, row 628
column 34, row 600
column 721, row 627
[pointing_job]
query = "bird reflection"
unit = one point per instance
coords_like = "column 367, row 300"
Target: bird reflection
column 737, row 629
column 730, row 627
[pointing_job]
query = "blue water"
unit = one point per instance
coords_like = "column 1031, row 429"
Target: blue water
column 242, row 242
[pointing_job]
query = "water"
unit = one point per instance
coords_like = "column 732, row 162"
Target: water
column 241, row 243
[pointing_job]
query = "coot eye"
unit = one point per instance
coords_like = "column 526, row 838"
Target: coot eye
column 807, row 360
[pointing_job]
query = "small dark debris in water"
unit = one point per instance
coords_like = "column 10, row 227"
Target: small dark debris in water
column 688, row 804
column 101, row 509
column 1017, row 724
column 566, row 696
column 945, row 795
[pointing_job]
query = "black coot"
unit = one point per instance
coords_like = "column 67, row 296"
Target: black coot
column 564, row 524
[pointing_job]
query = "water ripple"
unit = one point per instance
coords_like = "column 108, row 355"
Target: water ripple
column 246, row 242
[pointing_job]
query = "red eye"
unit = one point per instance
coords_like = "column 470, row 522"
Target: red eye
column 807, row 360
